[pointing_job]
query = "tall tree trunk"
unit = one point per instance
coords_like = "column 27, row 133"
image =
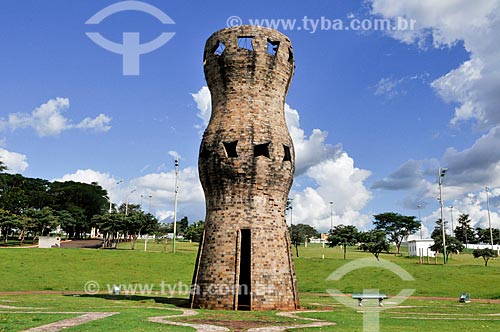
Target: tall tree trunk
column 134, row 240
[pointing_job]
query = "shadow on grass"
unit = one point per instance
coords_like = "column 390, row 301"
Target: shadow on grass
column 178, row 302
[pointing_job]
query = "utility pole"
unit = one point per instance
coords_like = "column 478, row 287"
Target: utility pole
column 441, row 174
column 149, row 209
column 331, row 216
column 420, row 220
column 176, row 163
column 489, row 215
column 451, row 215
column 110, row 203
column 126, row 202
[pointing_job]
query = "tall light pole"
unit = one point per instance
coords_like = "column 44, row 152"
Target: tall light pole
column 126, row 202
column 331, row 216
column 441, row 174
column 176, row 163
column 420, row 220
column 110, row 203
column 149, row 208
column 451, row 215
column 489, row 215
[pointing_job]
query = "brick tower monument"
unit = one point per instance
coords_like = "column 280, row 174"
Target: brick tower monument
column 246, row 167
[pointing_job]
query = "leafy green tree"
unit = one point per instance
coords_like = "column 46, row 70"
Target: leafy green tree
column 374, row 241
column 464, row 232
column 111, row 225
column 396, row 226
column 3, row 168
column 162, row 233
column 182, row 225
column 67, row 222
column 486, row 253
column 343, row 235
column 90, row 198
column 194, row 232
column 42, row 221
column 139, row 222
column 7, row 223
column 300, row 233
column 19, row 193
column 453, row 245
column 25, row 222
column 483, row 235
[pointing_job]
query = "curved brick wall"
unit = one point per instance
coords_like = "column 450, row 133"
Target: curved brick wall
column 246, row 167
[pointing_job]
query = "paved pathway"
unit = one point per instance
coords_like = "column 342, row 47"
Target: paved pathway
column 84, row 317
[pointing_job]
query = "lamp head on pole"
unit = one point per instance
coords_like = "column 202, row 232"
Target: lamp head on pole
column 443, row 171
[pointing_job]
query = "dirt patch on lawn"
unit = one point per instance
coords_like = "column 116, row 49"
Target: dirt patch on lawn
column 236, row 326
column 91, row 244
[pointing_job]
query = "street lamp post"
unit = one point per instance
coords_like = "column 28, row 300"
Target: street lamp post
column 110, row 203
column 451, row 215
column 441, row 174
column 420, row 220
column 176, row 163
column 489, row 215
column 331, row 216
column 149, row 208
column 126, row 202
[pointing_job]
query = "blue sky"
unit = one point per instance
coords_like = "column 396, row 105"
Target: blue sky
column 373, row 114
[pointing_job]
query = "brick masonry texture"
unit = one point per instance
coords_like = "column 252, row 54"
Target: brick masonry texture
column 246, row 166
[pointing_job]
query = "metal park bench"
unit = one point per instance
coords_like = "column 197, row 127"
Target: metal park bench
column 464, row 298
column 362, row 296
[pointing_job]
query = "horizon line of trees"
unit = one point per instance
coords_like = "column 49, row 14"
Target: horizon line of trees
column 32, row 207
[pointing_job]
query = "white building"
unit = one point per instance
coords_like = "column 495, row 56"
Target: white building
column 483, row 246
column 421, row 248
column 49, row 242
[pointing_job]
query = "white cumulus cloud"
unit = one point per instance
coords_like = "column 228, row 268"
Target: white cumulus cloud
column 475, row 84
column 99, row 124
column 48, row 119
column 156, row 189
column 473, row 87
column 15, row 162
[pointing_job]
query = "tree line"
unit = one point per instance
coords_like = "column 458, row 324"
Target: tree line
column 36, row 207
column 32, row 207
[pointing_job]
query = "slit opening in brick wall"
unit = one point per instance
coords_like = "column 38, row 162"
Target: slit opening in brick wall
column 219, row 48
column 287, row 155
column 230, row 148
column 245, row 42
column 290, row 55
column 261, row 150
column 244, row 287
column 272, row 47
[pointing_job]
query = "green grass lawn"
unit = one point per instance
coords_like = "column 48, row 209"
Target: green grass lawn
column 69, row 270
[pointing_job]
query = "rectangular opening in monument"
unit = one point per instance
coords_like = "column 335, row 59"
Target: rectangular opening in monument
column 244, row 289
